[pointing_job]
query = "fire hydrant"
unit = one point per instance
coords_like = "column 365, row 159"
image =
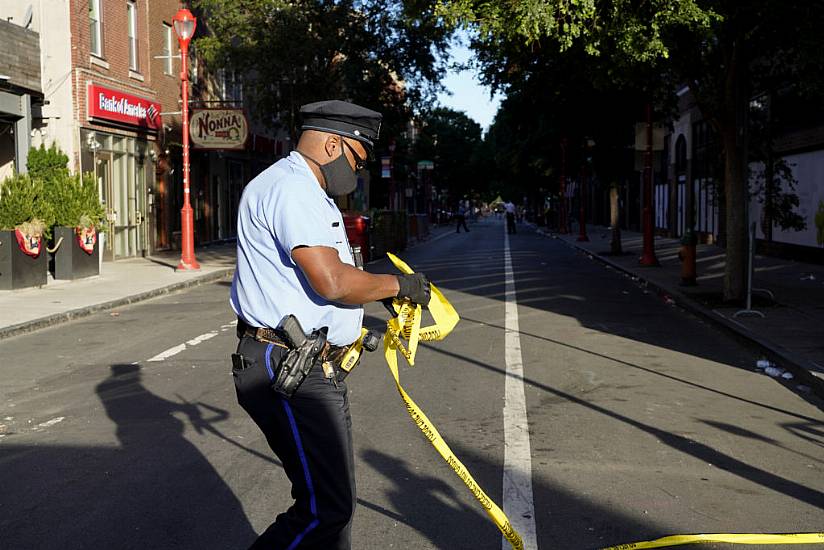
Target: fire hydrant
column 687, row 257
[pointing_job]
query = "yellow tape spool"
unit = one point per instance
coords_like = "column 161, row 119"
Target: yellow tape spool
column 730, row 538
column 407, row 325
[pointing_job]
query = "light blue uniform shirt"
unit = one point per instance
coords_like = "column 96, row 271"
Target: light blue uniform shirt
column 282, row 208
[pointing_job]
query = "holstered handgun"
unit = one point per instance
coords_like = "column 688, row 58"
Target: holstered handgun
column 304, row 352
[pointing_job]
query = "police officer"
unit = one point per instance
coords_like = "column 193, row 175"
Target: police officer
column 293, row 257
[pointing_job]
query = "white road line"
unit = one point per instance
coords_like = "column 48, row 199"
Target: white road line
column 517, row 487
column 163, row 355
column 202, row 338
column 49, row 423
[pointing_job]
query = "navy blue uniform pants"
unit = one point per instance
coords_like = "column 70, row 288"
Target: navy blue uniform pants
column 311, row 434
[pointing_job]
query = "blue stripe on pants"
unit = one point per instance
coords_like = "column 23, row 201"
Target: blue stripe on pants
column 312, row 504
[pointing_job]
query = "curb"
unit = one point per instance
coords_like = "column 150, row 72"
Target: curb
column 771, row 351
column 59, row 318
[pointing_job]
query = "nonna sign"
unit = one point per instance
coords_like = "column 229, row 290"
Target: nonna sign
column 218, row 129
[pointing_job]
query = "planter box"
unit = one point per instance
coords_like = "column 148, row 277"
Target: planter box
column 71, row 261
column 19, row 270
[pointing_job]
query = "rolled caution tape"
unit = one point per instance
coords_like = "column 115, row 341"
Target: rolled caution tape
column 407, row 326
column 729, row 538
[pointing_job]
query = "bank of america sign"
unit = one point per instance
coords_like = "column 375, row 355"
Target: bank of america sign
column 113, row 105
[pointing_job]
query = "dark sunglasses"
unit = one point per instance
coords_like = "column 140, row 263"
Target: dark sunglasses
column 360, row 163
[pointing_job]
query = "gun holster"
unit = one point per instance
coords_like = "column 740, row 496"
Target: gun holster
column 297, row 363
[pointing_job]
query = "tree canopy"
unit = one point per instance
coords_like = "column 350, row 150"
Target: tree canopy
column 382, row 54
column 725, row 51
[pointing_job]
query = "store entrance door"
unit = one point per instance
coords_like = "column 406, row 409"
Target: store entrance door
column 103, row 173
column 128, row 202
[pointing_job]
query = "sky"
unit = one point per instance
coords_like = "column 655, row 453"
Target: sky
column 468, row 95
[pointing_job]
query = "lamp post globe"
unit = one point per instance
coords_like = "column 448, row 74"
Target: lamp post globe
column 184, row 24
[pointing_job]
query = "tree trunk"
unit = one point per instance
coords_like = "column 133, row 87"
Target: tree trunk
column 614, row 221
column 734, row 140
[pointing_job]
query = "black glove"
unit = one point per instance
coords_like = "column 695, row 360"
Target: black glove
column 414, row 287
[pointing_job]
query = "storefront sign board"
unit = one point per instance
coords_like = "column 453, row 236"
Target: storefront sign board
column 116, row 106
column 218, row 128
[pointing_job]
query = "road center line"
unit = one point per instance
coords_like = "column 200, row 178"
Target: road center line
column 517, row 486
column 163, row 355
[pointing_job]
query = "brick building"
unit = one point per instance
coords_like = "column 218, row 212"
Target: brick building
column 110, row 73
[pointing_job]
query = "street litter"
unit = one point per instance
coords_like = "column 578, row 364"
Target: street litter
column 762, row 364
column 775, row 372
column 787, row 376
column 808, row 277
column 803, row 389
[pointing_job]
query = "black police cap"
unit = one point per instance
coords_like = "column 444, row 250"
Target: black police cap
column 343, row 118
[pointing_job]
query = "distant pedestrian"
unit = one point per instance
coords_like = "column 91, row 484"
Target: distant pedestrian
column 461, row 218
column 294, row 263
column 510, row 217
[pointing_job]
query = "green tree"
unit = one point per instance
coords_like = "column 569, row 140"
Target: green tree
column 378, row 53
column 22, row 200
column 69, row 198
column 724, row 50
column 451, row 140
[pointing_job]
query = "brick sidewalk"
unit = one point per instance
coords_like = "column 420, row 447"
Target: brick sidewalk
column 792, row 330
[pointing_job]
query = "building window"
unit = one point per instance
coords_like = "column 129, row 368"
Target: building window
column 231, row 87
column 96, row 27
column 167, row 48
column 131, row 11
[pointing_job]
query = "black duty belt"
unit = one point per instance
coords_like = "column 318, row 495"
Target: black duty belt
column 268, row 335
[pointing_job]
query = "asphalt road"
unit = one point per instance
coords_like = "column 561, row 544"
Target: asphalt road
column 643, row 421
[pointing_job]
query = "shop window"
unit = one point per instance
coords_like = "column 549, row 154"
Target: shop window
column 131, row 12
column 96, row 27
column 167, row 49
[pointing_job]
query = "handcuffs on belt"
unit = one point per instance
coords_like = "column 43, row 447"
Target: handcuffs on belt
column 304, row 351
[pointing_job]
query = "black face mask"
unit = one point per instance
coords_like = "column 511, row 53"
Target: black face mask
column 338, row 174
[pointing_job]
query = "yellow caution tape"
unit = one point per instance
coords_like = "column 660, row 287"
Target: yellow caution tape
column 757, row 538
column 407, row 325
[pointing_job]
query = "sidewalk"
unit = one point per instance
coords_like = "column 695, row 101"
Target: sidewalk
column 791, row 334
column 119, row 283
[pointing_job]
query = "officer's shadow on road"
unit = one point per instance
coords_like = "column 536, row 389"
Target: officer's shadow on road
column 426, row 503
column 158, row 483
column 444, row 513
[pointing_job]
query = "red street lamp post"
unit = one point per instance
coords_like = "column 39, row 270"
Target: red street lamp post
column 184, row 24
column 648, row 256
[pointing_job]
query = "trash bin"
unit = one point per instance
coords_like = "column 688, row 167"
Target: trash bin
column 357, row 231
